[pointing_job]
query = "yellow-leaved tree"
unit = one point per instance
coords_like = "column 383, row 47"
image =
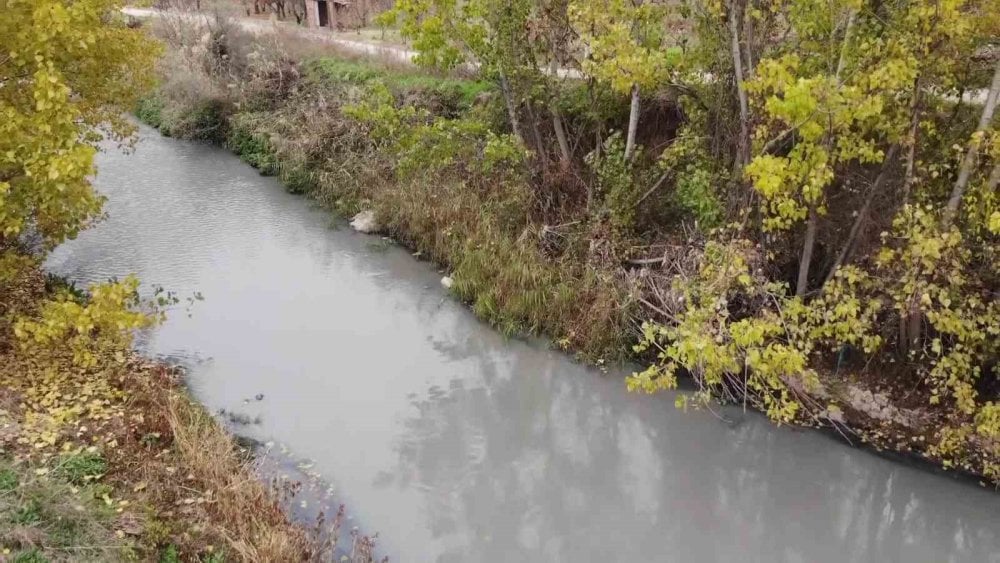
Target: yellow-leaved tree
column 69, row 70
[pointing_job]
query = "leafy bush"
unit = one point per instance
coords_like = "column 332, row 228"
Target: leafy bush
column 252, row 147
column 150, row 111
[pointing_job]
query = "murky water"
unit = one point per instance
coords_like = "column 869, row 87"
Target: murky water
column 456, row 444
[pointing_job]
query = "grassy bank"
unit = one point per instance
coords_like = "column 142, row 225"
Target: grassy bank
column 104, row 457
column 456, row 192
column 584, row 253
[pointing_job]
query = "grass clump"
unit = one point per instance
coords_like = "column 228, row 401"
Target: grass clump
column 150, row 111
column 47, row 517
column 253, row 148
column 453, row 93
column 8, row 480
column 82, row 468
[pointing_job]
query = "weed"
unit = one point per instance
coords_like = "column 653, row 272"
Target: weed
column 150, row 110
column 381, row 245
column 30, row 556
column 155, row 530
column 170, row 555
column 82, row 468
column 28, row 513
column 8, row 480
column 150, row 439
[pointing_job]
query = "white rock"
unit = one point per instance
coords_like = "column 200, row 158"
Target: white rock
column 365, row 222
column 447, row 282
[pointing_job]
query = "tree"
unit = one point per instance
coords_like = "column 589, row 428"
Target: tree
column 555, row 28
column 821, row 91
column 68, row 73
column 504, row 42
column 299, row 11
column 626, row 49
column 480, row 33
column 965, row 170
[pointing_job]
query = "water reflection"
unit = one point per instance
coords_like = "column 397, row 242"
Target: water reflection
column 458, row 445
column 540, row 465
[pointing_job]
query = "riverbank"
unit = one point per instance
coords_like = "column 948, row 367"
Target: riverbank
column 429, row 156
column 109, row 458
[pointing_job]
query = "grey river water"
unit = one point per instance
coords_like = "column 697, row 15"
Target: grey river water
column 456, row 444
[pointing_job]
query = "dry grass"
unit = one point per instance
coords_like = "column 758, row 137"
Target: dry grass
column 242, row 509
column 51, row 516
column 285, row 116
column 164, row 482
column 116, row 462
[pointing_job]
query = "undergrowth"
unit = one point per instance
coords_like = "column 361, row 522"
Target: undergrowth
column 666, row 237
column 104, row 457
column 448, row 187
column 453, row 93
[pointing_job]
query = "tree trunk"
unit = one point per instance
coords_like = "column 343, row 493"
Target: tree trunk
column 565, row 155
column 842, row 60
column 807, row 251
column 743, row 144
column 633, row 123
column 598, row 150
column 994, row 180
column 813, row 219
column 911, row 154
column 748, row 50
column 915, row 320
column 970, row 155
column 508, row 98
column 852, row 237
column 542, row 154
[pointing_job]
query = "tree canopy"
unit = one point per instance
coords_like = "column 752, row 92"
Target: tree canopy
column 68, row 73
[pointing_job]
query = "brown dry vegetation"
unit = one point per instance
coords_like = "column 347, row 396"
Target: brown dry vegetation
column 283, row 112
column 116, row 462
column 103, row 457
column 528, row 248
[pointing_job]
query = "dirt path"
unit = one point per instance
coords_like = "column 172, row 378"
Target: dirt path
column 362, row 47
column 385, row 51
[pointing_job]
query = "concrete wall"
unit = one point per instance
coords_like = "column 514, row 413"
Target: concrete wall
column 312, row 13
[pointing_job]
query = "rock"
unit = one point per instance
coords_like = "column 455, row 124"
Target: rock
column 365, row 222
column 812, row 388
column 879, row 407
column 447, row 282
column 130, row 524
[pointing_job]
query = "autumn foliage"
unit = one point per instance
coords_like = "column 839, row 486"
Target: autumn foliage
column 794, row 204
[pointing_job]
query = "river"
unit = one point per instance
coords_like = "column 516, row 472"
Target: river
column 457, row 444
